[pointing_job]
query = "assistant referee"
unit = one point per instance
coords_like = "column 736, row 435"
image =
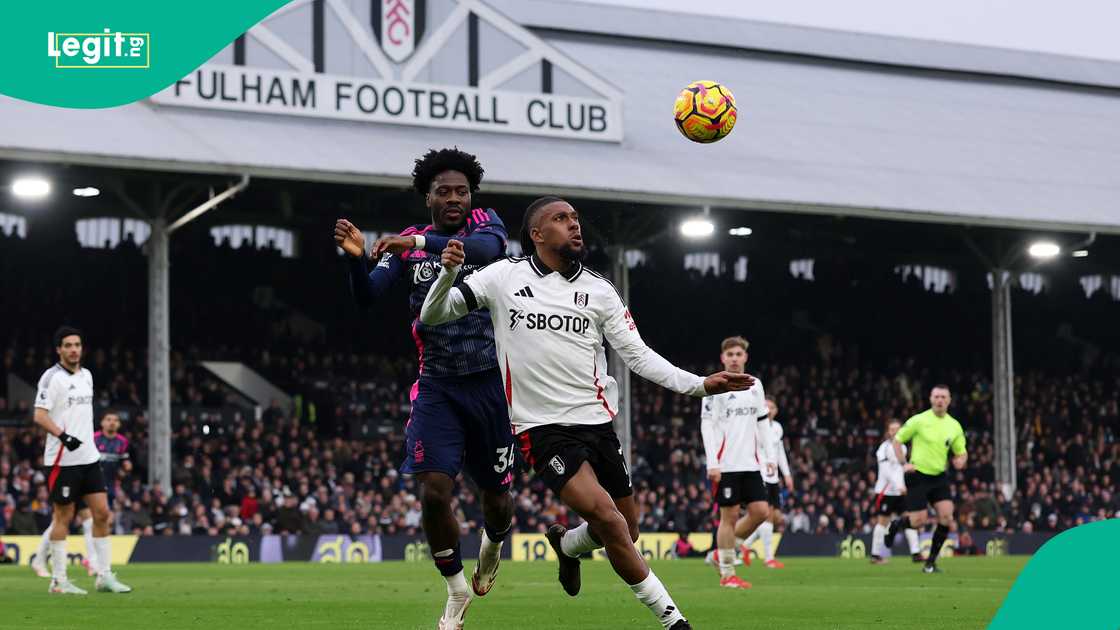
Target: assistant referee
column 933, row 433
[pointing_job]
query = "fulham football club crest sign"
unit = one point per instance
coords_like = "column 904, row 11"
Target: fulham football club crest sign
column 333, row 59
column 398, row 26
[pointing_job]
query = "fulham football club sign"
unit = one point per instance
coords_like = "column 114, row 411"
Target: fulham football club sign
column 378, row 62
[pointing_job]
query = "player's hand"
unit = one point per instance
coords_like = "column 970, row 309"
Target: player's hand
column 722, row 382
column 392, row 245
column 349, row 238
column 69, row 441
column 715, row 476
column 959, row 461
column 453, row 255
column 789, row 483
column 908, row 468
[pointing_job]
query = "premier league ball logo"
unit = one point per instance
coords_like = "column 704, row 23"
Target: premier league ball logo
column 398, row 26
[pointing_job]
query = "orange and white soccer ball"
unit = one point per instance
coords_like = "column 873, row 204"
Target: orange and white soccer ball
column 705, row 111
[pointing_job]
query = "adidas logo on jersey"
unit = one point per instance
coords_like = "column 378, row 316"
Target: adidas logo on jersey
column 526, row 292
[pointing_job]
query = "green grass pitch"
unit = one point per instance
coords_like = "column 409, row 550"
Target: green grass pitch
column 811, row 593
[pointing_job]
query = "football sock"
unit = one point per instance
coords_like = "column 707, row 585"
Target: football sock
column 449, row 561
column 457, row 594
column 877, row 536
column 44, row 544
column 578, row 541
column 91, row 549
column 939, row 536
column 58, row 560
column 103, row 555
column 497, row 535
column 652, row 593
column 766, row 532
column 912, row 540
column 902, row 522
column 726, row 562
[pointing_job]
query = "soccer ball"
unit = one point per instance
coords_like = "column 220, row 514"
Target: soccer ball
column 705, row 111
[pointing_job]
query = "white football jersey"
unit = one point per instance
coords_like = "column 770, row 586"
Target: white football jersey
column 549, row 329
column 777, row 451
column 890, row 481
column 734, row 438
column 68, row 398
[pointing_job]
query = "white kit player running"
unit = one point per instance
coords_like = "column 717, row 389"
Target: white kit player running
column 889, row 488
column 551, row 316
column 777, row 463
column 64, row 408
column 736, row 445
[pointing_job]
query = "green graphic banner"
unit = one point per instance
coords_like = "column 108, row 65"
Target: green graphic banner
column 78, row 53
column 1070, row 583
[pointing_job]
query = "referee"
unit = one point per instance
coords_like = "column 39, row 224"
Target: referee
column 934, row 433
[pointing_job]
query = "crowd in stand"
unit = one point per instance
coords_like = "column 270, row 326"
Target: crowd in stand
column 830, row 349
column 279, row 474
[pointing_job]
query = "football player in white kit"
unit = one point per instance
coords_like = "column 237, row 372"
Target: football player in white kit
column 64, row 409
column 778, row 463
column 889, row 488
column 551, row 316
column 737, row 445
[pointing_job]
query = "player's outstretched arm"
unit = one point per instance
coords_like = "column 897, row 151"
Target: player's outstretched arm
column 481, row 247
column 445, row 303
column 723, row 382
column 366, row 286
column 621, row 332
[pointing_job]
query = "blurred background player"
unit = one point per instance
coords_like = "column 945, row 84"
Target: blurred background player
column 64, row 408
column 778, row 463
column 114, row 449
column 736, row 444
column 934, row 433
column 459, row 416
column 889, row 490
column 551, row 316
column 113, row 446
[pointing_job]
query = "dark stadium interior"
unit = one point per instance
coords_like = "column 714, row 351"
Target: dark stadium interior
column 849, row 344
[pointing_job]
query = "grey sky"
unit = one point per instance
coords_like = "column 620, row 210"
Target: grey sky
column 1085, row 28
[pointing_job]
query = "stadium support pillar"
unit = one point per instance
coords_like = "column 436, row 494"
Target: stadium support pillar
column 159, row 358
column 1003, row 377
column 621, row 275
column 165, row 204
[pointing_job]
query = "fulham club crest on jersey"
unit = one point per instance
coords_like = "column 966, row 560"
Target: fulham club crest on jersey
column 398, row 25
column 581, row 299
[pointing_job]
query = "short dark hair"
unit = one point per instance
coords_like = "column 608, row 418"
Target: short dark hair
column 64, row 332
column 941, row 386
column 435, row 162
column 531, row 213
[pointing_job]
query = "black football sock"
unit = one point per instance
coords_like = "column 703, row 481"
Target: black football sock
column 497, row 536
column 939, row 536
column 449, row 561
column 900, row 523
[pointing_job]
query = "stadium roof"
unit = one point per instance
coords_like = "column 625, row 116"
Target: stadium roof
column 831, row 123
